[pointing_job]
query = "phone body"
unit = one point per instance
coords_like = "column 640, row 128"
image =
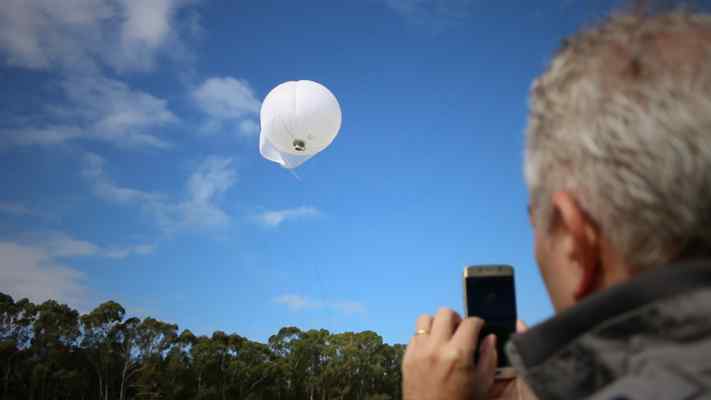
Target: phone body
column 490, row 294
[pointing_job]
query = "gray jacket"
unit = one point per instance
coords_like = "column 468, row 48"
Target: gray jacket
column 646, row 339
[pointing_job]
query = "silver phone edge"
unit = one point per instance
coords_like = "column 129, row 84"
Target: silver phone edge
column 488, row 270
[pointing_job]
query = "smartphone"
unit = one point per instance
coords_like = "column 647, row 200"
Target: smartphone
column 489, row 294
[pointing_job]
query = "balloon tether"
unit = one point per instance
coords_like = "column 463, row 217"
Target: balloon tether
column 294, row 173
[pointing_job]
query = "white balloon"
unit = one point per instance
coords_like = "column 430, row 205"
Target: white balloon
column 298, row 120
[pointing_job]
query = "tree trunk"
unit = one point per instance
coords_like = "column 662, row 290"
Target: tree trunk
column 6, row 382
column 43, row 386
column 251, row 388
column 222, row 373
column 122, row 392
column 101, row 385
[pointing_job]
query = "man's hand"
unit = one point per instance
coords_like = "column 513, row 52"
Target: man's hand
column 512, row 389
column 439, row 361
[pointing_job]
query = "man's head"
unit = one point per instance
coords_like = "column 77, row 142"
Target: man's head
column 618, row 154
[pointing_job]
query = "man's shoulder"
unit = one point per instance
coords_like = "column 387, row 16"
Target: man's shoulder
column 660, row 380
column 661, row 350
column 667, row 351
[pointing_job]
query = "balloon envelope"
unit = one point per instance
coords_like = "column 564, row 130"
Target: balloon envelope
column 298, row 120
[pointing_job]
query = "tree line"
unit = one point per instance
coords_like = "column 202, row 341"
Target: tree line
column 49, row 351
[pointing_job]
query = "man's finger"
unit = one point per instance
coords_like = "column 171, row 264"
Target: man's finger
column 486, row 367
column 467, row 335
column 444, row 324
column 423, row 326
column 521, row 326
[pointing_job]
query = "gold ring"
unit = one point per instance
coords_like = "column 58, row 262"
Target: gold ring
column 422, row 332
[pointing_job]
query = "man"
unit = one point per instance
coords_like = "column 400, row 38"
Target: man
column 618, row 165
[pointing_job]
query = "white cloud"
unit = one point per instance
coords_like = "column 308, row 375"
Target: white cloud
column 40, row 34
column 99, row 109
column 229, row 104
column 275, row 218
column 127, row 35
column 226, row 98
column 30, row 272
column 147, row 22
column 80, row 38
column 204, row 189
column 35, row 268
column 147, row 25
column 299, row 303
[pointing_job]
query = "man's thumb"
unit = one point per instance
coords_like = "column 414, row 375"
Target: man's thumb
column 521, row 327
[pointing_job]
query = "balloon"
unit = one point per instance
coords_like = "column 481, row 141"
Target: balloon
column 298, row 119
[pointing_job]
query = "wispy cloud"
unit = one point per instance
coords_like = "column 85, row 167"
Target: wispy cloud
column 436, row 14
column 123, row 252
column 83, row 40
column 98, row 109
column 248, row 127
column 226, row 98
column 16, row 209
column 41, row 135
column 296, row 302
column 60, row 245
column 300, row 303
column 228, row 104
column 206, row 185
column 105, row 188
column 204, row 189
column 126, row 35
column 114, row 112
column 275, row 218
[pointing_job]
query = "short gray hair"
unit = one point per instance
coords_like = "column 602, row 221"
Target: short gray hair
column 622, row 119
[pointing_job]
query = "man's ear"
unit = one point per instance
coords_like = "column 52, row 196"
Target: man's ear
column 584, row 237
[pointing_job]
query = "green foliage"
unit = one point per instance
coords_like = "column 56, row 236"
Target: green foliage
column 50, row 352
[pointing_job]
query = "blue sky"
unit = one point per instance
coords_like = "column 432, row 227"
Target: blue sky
column 128, row 154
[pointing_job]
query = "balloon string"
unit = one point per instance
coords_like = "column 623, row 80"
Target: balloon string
column 295, row 176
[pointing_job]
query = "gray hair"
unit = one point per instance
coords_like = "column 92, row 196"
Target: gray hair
column 622, row 119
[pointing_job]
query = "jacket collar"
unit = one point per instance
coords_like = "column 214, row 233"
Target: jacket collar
column 535, row 351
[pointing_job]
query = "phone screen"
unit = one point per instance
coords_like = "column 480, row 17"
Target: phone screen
column 493, row 299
